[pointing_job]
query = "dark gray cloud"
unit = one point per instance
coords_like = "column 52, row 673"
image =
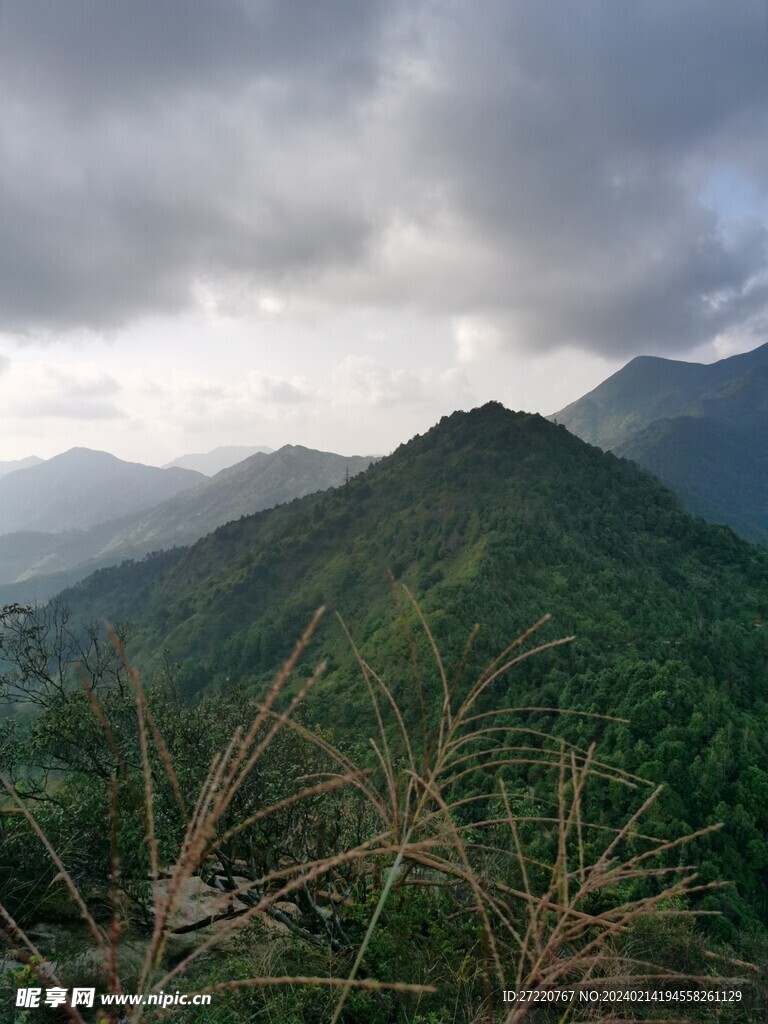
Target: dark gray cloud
column 544, row 166
column 147, row 145
column 576, row 140
column 102, row 55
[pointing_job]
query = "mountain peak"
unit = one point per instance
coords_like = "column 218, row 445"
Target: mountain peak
column 648, row 388
column 85, row 455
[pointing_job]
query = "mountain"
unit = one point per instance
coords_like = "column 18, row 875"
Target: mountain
column 14, row 464
column 700, row 428
column 39, row 564
column 81, row 488
column 210, row 463
column 257, row 482
column 496, row 518
column 650, row 388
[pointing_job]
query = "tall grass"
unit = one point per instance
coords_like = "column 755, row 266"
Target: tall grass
column 547, row 916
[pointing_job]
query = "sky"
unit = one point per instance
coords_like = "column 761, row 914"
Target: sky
column 331, row 223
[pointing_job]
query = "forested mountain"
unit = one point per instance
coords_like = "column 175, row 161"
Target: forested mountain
column 81, row 488
column 220, row 458
column 39, row 564
column 649, row 388
column 700, row 428
column 496, row 518
column 258, row 482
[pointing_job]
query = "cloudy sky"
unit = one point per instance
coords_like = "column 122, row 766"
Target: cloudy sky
column 330, row 222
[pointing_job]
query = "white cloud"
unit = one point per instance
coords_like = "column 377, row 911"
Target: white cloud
column 271, row 304
column 363, row 381
column 272, row 390
column 67, row 408
column 475, row 338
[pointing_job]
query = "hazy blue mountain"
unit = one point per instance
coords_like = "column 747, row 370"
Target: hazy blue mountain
column 14, row 464
column 81, row 488
column 701, row 429
column 260, row 481
column 27, row 553
column 214, row 461
column 35, row 564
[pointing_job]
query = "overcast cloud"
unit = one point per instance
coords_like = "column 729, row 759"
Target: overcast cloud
column 528, row 177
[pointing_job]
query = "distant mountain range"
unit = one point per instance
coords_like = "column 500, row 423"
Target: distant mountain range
column 211, row 463
column 81, row 488
column 38, row 561
column 700, row 428
column 14, row 464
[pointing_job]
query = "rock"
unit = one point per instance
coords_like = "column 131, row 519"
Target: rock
column 290, row 909
column 195, row 901
column 272, row 925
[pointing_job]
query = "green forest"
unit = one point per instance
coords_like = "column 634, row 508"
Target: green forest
column 427, row 801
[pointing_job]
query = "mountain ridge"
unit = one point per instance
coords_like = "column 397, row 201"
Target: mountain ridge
column 37, row 564
column 648, row 388
column 211, row 462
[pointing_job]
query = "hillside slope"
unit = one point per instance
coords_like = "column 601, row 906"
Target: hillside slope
column 719, row 471
column 700, row 429
column 260, row 481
